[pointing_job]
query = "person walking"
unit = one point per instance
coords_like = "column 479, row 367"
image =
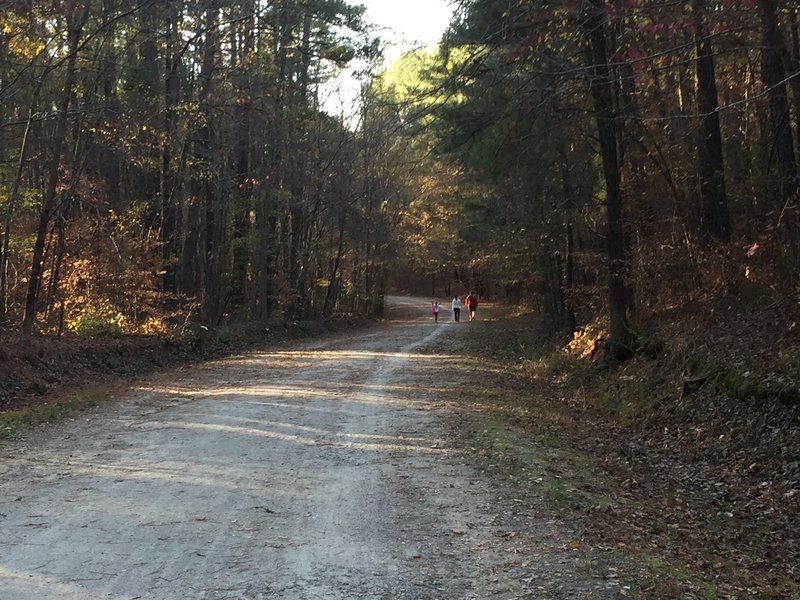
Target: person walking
column 435, row 311
column 472, row 305
column 456, row 308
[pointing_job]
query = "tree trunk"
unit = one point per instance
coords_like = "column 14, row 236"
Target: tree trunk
column 569, row 283
column 570, row 322
column 793, row 61
column 600, row 86
column 330, row 293
column 773, row 75
column 62, row 213
column 212, row 220
column 198, row 265
column 268, row 216
column 168, row 184
column 9, row 219
column 714, row 216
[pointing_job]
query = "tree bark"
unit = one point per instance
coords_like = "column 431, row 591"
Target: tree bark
column 330, row 292
column 793, row 61
column 9, row 219
column 569, row 283
column 169, row 180
column 601, row 88
column 570, row 321
column 715, row 219
column 773, row 74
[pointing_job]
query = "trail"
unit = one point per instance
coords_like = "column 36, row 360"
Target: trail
column 316, row 471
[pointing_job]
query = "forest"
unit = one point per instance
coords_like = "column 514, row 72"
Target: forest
column 617, row 179
column 622, row 159
column 166, row 164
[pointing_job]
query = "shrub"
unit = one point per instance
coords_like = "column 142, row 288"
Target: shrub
column 94, row 324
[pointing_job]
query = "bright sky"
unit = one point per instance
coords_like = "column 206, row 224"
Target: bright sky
column 403, row 25
column 409, row 23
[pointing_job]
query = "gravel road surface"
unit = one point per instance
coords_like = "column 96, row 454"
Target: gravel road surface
column 320, row 470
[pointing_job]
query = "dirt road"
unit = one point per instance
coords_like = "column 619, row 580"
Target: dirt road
column 320, row 471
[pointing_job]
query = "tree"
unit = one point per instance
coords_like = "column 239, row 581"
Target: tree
column 74, row 29
column 601, row 88
column 773, row 74
column 715, row 219
column 188, row 154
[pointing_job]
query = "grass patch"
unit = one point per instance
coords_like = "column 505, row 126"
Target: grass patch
column 557, row 364
column 627, row 399
column 536, row 458
column 561, row 367
column 741, row 386
column 15, row 422
column 675, row 579
column 617, row 396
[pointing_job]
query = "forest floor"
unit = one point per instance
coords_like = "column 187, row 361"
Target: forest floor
column 676, row 476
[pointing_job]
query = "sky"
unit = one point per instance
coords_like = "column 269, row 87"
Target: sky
column 409, row 23
column 404, row 25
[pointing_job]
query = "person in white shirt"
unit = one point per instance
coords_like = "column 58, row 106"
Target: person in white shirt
column 456, row 309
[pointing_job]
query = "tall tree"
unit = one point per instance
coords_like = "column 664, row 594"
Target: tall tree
column 773, row 74
column 715, row 219
column 601, row 88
